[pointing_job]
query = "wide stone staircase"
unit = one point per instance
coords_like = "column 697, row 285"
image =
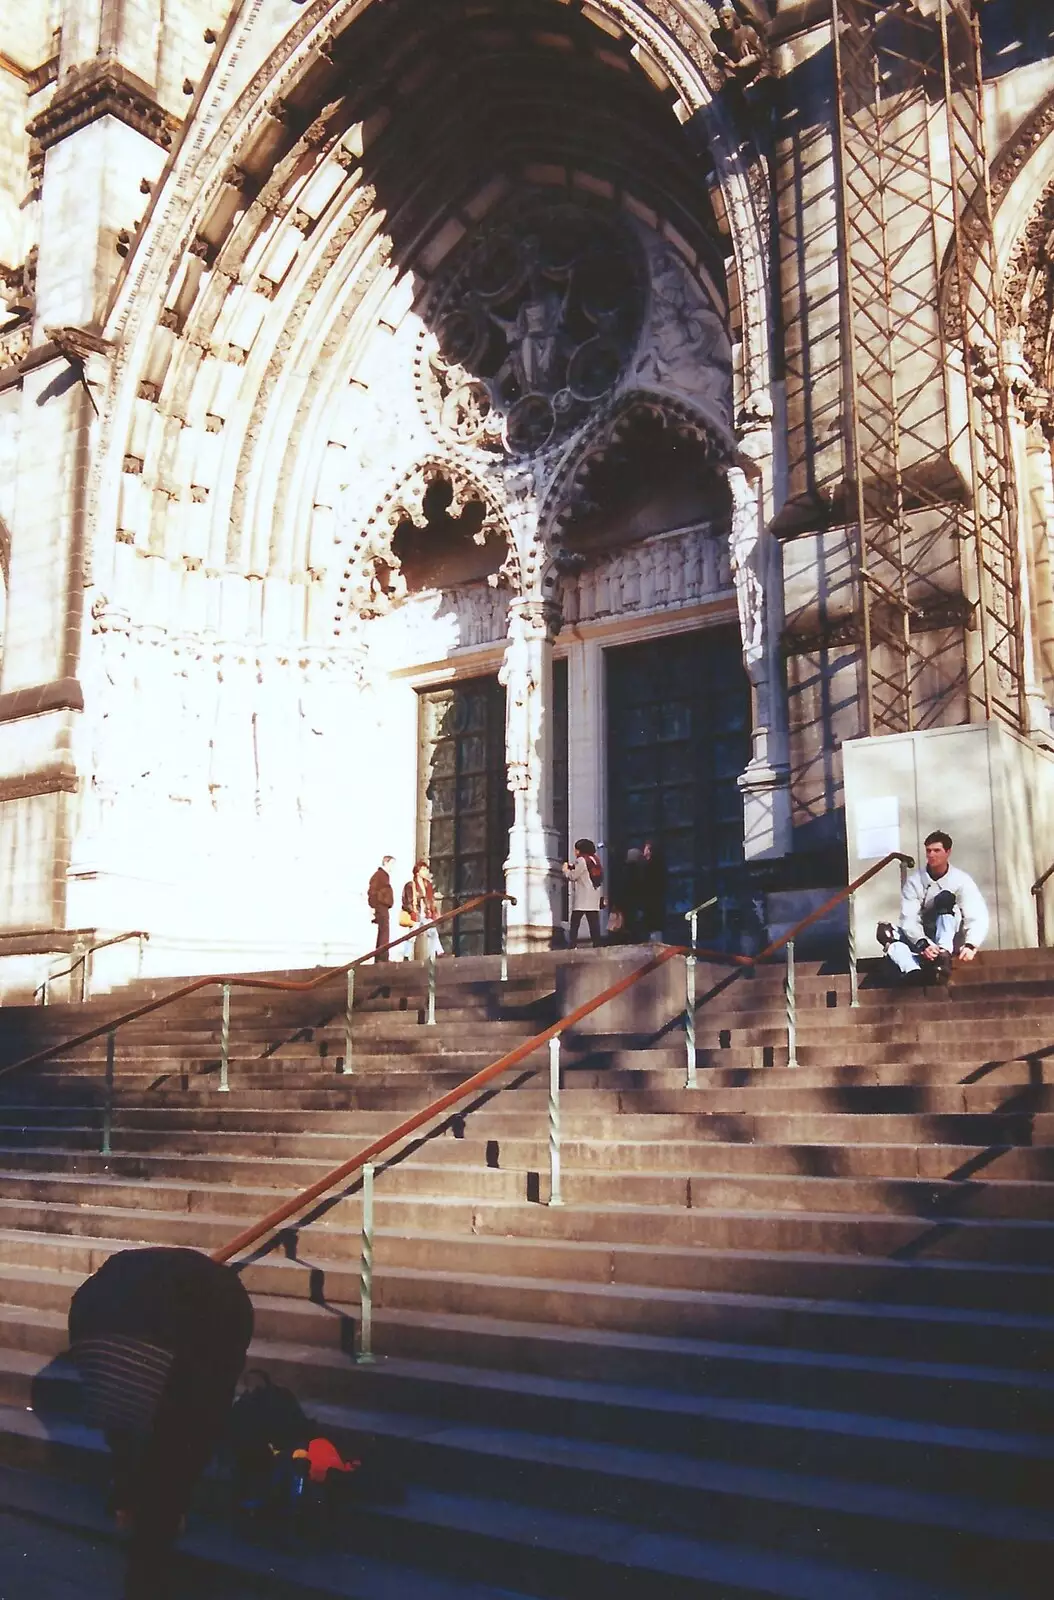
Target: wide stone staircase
column 789, row 1334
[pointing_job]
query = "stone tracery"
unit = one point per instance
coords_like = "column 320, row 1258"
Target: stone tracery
column 534, row 328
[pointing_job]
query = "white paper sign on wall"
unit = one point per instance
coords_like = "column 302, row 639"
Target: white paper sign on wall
column 877, row 827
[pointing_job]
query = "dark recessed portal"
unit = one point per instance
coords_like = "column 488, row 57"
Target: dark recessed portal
column 465, row 808
column 678, row 714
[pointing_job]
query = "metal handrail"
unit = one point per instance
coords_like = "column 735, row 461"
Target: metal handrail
column 814, row 916
column 1041, row 915
column 82, row 959
column 235, row 980
column 367, row 1156
column 478, row 1080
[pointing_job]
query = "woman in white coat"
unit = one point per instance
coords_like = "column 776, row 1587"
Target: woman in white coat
column 586, row 878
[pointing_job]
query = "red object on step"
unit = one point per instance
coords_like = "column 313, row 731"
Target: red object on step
column 324, row 1457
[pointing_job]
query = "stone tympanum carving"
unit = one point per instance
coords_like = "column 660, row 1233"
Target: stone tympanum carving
column 534, row 328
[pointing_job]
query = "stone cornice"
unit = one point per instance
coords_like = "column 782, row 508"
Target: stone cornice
column 64, row 694
column 60, row 779
column 103, row 89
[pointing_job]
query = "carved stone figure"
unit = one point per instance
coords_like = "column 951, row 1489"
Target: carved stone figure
column 744, row 540
column 738, row 47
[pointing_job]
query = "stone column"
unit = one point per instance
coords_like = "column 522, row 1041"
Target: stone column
column 1021, row 397
column 765, row 781
column 532, row 871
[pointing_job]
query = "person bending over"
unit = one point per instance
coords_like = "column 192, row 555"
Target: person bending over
column 942, row 914
column 159, row 1336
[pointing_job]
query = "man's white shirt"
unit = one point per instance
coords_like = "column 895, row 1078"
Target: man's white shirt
column 919, row 893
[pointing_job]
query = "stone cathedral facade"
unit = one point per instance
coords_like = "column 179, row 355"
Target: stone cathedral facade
column 421, row 431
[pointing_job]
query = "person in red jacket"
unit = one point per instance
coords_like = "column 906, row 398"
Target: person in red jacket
column 380, row 897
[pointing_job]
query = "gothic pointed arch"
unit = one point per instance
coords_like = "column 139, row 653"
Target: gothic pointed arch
column 288, row 226
column 374, row 579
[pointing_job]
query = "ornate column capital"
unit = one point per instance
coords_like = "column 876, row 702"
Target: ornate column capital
column 536, row 619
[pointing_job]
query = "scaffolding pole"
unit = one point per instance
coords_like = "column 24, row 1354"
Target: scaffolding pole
column 926, row 418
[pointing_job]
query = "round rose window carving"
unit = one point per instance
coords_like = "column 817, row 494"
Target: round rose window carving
column 533, row 329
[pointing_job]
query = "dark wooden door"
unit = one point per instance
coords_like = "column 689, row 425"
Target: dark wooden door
column 465, row 804
column 678, row 717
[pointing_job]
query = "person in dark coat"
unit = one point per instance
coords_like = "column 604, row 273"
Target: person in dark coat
column 380, row 897
column 159, row 1336
column 654, row 895
column 634, row 896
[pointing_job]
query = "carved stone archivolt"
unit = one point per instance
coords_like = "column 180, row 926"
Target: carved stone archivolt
column 373, row 582
column 534, row 328
column 568, row 493
column 1029, row 291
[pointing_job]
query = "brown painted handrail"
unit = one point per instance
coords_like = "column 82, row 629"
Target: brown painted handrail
column 105, row 944
column 479, row 1080
column 240, row 981
column 814, row 916
column 1041, row 912
column 512, row 1058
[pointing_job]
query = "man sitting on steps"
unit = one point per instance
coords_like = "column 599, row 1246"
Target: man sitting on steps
column 942, row 914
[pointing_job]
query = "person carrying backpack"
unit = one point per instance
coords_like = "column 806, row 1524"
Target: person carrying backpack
column 586, row 878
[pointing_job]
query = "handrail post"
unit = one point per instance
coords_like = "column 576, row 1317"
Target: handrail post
column 225, row 1040
column 854, row 996
column 107, row 1104
column 504, row 941
column 1041, row 920
column 430, row 1014
column 139, row 958
column 555, row 1196
column 690, row 1081
column 792, row 1012
column 349, row 1006
column 365, row 1351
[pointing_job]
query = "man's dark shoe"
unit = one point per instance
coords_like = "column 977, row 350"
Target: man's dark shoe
column 942, row 968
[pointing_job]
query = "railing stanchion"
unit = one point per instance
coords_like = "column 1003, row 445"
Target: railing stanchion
column 792, row 1011
column 555, row 1196
column 349, row 1006
column 107, row 1104
column 854, row 996
column 504, row 941
column 689, row 1004
column 365, row 1353
column 430, row 1014
column 225, row 1040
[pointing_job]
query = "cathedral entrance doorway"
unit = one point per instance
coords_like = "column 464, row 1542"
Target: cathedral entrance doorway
column 678, row 737
column 464, row 806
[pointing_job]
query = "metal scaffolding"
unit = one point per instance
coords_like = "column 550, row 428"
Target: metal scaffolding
column 929, row 458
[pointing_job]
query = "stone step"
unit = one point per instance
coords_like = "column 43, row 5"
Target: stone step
column 256, row 1186
column 989, row 1395
column 32, row 1146
column 1013, row 1467
column 667, row 1490
column 304, row 1157
column 981, row 1285
column 1022, row 1243
column 492, row 1116
column 965, row 1335
column 566, row 1554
